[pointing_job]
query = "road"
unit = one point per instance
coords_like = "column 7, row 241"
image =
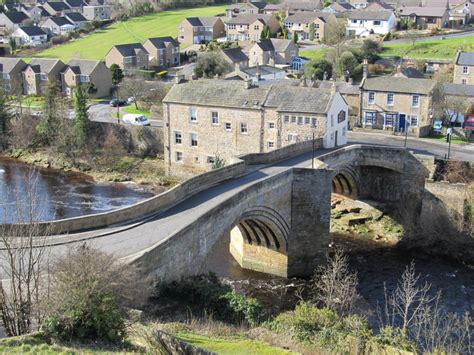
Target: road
column 125, row 241
column 102, row 112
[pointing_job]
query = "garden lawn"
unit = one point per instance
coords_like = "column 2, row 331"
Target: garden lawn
column 138, row 29
column 231, row 346
column 439, row 49
column 312, row 53
column 454, row 140
column 131, row 109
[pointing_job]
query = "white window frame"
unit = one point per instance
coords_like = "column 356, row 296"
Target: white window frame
column 292, row 137
column 178, row 157
column 370, row 100
column 193, row 118
column 270, row 144
column 413, row 104
column 373, row 118
column 271, row 125
column 176, row 138
column 228, row 126
column 416, row 118
column 392, row 101
column 193, row 137
column 465, row 70
column 286, row 118
column 214, row 118
column 244, row 128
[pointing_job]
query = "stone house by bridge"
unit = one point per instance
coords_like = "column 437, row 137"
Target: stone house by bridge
column 206, row 119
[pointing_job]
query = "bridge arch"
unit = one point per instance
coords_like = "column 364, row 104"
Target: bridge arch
column 346, row 182
column 259, row 240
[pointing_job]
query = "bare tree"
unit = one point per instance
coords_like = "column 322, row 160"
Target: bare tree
column 24, row 265
column 334, row 286
column 135, row 88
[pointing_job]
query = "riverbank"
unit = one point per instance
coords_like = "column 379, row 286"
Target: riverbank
column 146, row 173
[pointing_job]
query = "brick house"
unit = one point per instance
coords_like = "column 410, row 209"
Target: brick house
column 10, row 21
column 272, row 51
column 196, row 30
column 464, row 68
column 394, row 103
column 87, row 72
column 425, row 17
column 302, row 23
column 129, row 57
column 39, row 72
column 11, row 70
column 249, row 27
column 206, row 118
column 163, row 51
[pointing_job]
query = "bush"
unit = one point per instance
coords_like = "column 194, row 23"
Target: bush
column 248, row 309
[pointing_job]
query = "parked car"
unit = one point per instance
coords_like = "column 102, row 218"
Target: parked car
column 136, row 119
column 469, row 123
column 130, row 100
column 117, row 102
column 437, row 126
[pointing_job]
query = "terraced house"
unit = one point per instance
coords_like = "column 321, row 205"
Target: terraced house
column 206, row 119
column 309, row 25
column 87, row 72
column 397, row 104
column 162, row 51
column 249, row 27
column 464, row 68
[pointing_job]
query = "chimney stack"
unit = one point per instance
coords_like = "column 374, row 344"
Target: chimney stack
column 365, row 69
column 248, row 83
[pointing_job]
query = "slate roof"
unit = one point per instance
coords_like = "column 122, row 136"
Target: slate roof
column 61, row 21
column 82, row 66
column 274, row 7
column 8, row 64
column 262, row 70
column 32, row 31
column 465, row 58
column 341, row 86
column 75, row 17
column 16, row 16
column 411, row 72
column 58, row 5
column 401, row 85
column 43, row 12
column 236, row 55
column 75, row 3
column 223, row 93
column 344, row 5
column 422, row 11
column 208, row 21
column 44, row 65
column 160, row 42
column 370, row 15
column 248, row 19
column 306, row 17
column 459, row 89
column 303, row 5
column 258, row 4
column 129, row 49
column 266, row 45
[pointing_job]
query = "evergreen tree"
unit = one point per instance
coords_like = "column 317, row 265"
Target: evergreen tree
column 81, row 122
column 262, row 34
column 268, row 33
column 311, row 31
column 5, row 118
column 49, row 128
column 13, row 45
column 294, row 37
column 117, row 74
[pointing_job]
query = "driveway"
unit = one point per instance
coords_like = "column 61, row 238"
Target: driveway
column 103, row 112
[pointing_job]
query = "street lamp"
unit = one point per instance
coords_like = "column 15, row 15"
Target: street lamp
column 407, row 124
column 448, row 139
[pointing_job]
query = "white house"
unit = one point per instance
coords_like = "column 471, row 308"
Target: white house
column 58, row 25
column 30, row 35
column 365, row 23
column 337, row 119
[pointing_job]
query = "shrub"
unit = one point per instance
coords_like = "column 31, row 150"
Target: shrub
column 245, row 308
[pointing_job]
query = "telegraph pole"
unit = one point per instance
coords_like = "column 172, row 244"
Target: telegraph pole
column 312, row 153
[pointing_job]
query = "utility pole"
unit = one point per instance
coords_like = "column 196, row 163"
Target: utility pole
column 406, row 133
column 312, row 153
column 118, row 106
column 448, row 139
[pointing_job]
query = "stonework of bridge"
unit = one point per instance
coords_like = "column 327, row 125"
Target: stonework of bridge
column 280, row 225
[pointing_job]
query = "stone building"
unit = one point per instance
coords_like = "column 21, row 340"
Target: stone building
column 197, row 30
column 206, row 119
column 464, row 68
column 397, row 103
column 249, row 27
column 309, row 25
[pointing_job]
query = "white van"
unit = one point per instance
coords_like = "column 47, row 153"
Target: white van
column 137, row 119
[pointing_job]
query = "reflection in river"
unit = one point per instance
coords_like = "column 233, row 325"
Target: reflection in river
column 57, row 194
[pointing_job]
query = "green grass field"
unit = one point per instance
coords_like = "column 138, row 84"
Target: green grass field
column 96, row 45
column 132, row 109
column 313, row 53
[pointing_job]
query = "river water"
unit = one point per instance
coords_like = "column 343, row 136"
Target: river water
column 58, row 194
column 376, row 264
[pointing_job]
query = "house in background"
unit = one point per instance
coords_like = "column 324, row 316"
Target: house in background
column 258, row 75
column 425, row 17
column 39, row 72
column 77, row 19
column 464, row 68
column 38, row 14
column 97, row 12
column 10, row 21
column 56, row 8
column 163, row 51
column 58, row 26
column 272, row 51
column 245, row 8
column 366, row 23
column 129, row 57
column 197, row 30
column 249, row 27
column 338, row 8
column 397, row 103
column 378, row 6
column 30, row 36
column 11, row 70
column 87, row 72
column 303, row 23
column 75, row 5
column 292, row 7
column 236, row 58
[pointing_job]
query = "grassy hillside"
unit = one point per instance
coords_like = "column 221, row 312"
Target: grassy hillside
column 96, row 45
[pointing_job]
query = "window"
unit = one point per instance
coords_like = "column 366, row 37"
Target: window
column 317, row 35
column 292, row 137
column 286, row 119
column 344, row 129
column 307, row 120
column 270, row 144
column 370, row 118
column 193, row 114
column 256, row 27
column 215, row 117
column 371, row 97
column 300, row 120
column 390, row 99
column 415, row 101
column 211, row 159
column 376, row 23
column 178, row 139
column 43, row 77
column 271, row 125
column 6, row 76
column 178, row 157
column 128, row 60
column 464, row 81
column 231, row 27
column 341, row 116
column 181, row 29
column 316, row 25
column 465, row 70
column 228, row 126
column 315, row 122
column 390, row 118
column 413, row 120
column 194, row 139
column 84, row 78
column 293, row 119
column 244, row 128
